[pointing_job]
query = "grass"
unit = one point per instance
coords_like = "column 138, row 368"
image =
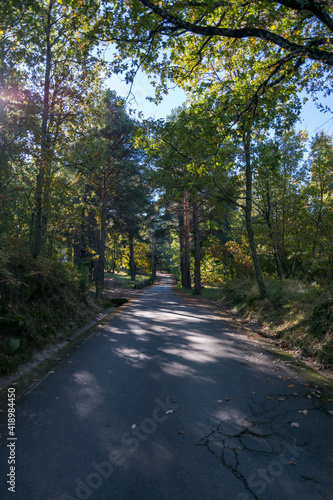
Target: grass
column 297, row 315
column 140, row 281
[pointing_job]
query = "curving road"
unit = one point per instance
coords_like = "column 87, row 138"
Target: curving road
column 167, row 401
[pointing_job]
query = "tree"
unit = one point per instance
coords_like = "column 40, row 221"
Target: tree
column 278, row 175
column 107, row 158
column 58, row 52
column 318, row 192
column 284, row 38
column 129, row 208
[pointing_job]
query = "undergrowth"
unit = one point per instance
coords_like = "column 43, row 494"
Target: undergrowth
column 41, row 302
column 298, row 315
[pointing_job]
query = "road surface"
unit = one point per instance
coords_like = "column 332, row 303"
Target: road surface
column 168, row 402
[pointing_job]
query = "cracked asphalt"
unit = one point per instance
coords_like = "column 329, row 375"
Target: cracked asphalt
column 169, row 401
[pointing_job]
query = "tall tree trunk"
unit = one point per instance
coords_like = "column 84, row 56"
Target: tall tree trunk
column 181, row 246
column 268, row 216
column 93, row 243
column 187, row 263
column 153, row 264
column 196, row 241
column 248, row 215
column 99, row 278
column 131, row 258
column 40, row 221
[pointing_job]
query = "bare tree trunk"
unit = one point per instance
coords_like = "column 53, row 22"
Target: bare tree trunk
column 268, row 217
column 153, row 264
column 99, row 278
column 40, row 221
column 248, row 215
column 131, row 260
column 181, row 246
column 187, row 264
column 196, row 241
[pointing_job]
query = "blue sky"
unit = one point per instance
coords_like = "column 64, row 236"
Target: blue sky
column 311, row 118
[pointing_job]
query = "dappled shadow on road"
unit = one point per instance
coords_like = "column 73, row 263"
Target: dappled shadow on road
column 233, row 403
column 175, row 404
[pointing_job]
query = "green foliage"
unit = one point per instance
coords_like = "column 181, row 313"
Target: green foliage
column 45, row 301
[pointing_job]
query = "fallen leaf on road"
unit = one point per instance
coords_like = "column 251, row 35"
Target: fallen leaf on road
column 295, row 393
column 281, row 399
column 269, row 397
column 227, row 399
column 242, row 363
column 330, row 412
column 295, row 424
column 305, row 412
column 219, row 400
column 291, row 385
column 69, row 362
column 180, row 432
column 168, row 412
column 133, row 426
column 291, row 463
column 58, row 359
column 174, row 401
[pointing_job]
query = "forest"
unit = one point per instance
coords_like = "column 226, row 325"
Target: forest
column 227, row 193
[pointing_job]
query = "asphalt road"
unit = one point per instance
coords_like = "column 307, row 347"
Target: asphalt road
column 168, row 401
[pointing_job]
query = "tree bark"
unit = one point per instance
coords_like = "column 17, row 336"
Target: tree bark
column 40, row 220
column 272, row 236
column 248, row 215
column 196, row 241
column 181, row 246
column 131, row 256
column 187, row 264
column 153, row 264
column 99, row 278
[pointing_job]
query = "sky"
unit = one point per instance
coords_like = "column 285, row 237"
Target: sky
column 311, row 117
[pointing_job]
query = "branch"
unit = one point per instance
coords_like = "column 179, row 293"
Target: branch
column 176, row 23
